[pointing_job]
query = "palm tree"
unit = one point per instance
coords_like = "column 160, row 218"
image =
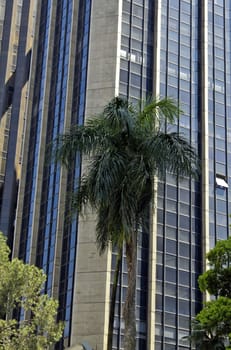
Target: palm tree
column 127, row 146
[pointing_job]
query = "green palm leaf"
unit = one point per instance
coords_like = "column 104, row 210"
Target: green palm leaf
column 171, row 152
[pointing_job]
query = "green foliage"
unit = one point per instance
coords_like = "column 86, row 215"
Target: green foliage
column 213, row 323
column 20, row 287
column 217, row 280
column 4, row 252
column 216, row 316
column 204, row 338
column 220, row 255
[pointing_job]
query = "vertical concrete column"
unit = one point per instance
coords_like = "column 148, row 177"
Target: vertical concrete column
column 204, row 132
column 4, row 51
column 13, row 162
column 26, row 140
column 153, row 211
column 92, row 281
column 63, row 177
column 42, row 136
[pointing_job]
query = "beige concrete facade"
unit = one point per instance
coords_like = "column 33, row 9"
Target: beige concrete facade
column 153, row 211
column 18, row 20
column 42, row 145
column 26, row 139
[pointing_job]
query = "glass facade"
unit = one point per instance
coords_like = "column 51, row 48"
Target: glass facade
column 35, row 135
column 54, row 125
column 179, row 203
column 71, row 228
column 219, row 106
column 47, row 233
column 136, row 53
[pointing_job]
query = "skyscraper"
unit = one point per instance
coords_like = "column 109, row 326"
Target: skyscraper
column 86, row 52
column 16, row 38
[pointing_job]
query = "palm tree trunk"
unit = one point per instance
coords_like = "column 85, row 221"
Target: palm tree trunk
column 130, row 302
column 113, row 298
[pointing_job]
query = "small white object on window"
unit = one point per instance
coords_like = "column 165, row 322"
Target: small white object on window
column 221, row 182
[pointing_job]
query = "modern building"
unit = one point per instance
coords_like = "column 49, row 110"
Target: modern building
column 85, row 52
column 16, row 38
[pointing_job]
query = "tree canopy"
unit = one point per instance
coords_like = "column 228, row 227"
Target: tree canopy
column 20, row 290
column 217, row 280
column 212, row 326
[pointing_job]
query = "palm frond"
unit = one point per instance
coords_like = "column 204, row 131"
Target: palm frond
column 103, row 232
column 171, row 152
column 119, row 114
column 139, row 170
column 105, row 173
column 82, row 196
column 156, row 111
column 168, row 109
column 78, row 139
column 108, row 228
column 128, row 207
column 86, row 139
column 100, row 181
